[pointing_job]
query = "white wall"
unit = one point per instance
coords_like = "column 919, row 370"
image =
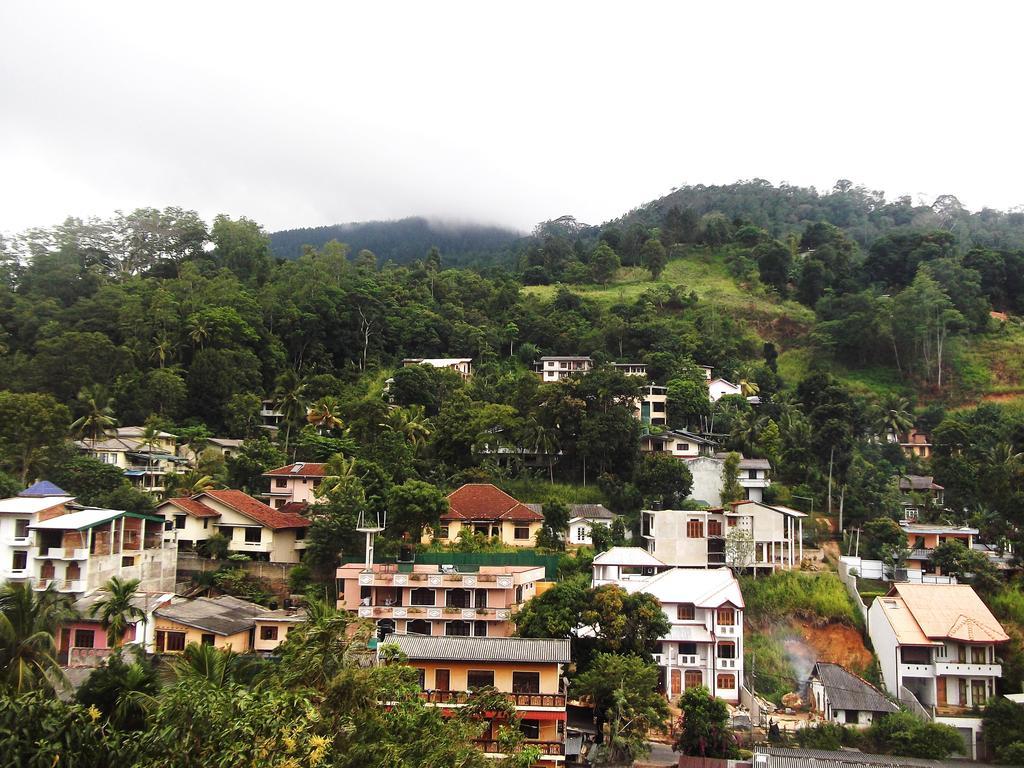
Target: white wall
column 883, row 639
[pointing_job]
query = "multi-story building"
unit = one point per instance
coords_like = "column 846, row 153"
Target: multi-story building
column 705, row 643
column 527, row 670
column 923, row 538
column 936, row 645
column 719, row 388
column 461, row 365
column 144, row 461
column 487, row 510
column 82, row 642
column 698, row 538
column 251, row 527
column 652, row 406
column 37, row 502
column 558, row 367
column 915, row 444
column 620, row 564
column 224, row 622
column 294, row 483
column 919, row 491
column 270, row 416
column 437, row 600
column 678, row 443
column 82, row 549
column 631, row 369
column 753, row 476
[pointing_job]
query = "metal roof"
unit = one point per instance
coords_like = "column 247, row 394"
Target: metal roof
column 777, row 757
column 632, row 556
column 87, row 518
column 524, row 650
column 224, row 615
column 30, row 505
column 590, row 511
column 846, row 690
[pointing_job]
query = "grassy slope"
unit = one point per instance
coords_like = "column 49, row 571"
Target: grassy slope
column 988, row 366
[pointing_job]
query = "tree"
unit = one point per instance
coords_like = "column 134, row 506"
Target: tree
column 97, row 417
column 623, row 690
column 704, row 726
column 902, row 733
column 740, row 549
column 219, row 667
column 29, row 423
column 654, row 257
column 323, row 415
column 882, row 533
column 117, row 610
column 253, row 458
column 604, row 263
column 731, row 488
column 969, row 566
column 773, row 262
column 663, row 478
column 1003, row 729
column 415, row 506
column 122, row 691
column 242, row 414
column 28, row 653
column 84, row 477
column 290, row 399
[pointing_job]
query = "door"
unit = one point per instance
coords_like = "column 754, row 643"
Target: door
column 442, row 679
column 940, row 691
column 693, row 678
column 676, row 685
column 65, row 644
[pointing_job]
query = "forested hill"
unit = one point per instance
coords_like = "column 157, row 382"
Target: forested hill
column 405, row 240
column 864, row 213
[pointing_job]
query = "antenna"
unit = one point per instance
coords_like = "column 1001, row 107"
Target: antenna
column 371, row 527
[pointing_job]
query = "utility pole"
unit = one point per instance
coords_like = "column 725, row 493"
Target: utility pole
column 857, row 551
column 753, row 699
column 831, row 456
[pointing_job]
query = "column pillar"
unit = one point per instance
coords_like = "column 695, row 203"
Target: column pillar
column 801, row 539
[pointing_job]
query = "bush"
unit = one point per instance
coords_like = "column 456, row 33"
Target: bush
column 806, row 595
column 244, row 585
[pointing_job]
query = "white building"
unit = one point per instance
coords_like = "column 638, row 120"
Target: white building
column 631, row 369
column 699, row 538
column 583, row 518
column 936, row 645
column 461, row 365
column 620, row 564
column 17, row 514
column 294, row 483
column 719, row 388
column 144, row 462
column 558, row 367
column 753, row 477
column 842, row 697
column 705, row 610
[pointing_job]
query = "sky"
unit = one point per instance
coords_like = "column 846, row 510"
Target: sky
column 511, row 113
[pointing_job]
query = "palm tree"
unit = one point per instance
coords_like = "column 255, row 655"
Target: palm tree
column 212, row 665
column 323, row 645
column 339, row 473
column 28, row 624
column 116, row 610
column 411, row 422
column 162, row 348
column 543, row 441
column 198, row 330
column 323, row 415
column 98, row 417
column 749, row 387
column 896, row 417
column 150, row 434
column 290, row 397
column 187, row 484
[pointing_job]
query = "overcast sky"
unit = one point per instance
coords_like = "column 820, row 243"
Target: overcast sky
column 302, row 114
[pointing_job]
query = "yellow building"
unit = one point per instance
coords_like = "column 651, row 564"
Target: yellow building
column 486, row 509
column 273, row 627
column 224, row 622
column 527, row 670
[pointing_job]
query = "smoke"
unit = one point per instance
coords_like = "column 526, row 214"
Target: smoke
column 801, row 658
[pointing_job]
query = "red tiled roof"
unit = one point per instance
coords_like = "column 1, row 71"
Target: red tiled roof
column 193, row 507
column 294, row 508
column 299, row 469
column 483, row 501
column 256, row 510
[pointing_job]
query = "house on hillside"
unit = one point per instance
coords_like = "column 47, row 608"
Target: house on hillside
column 582, row 519
column 719, row 388
column 461, row 365
column 652, row 406
column 40, row 501
column 558, row 367
column 250, row 526
column 937, row 646
column 620, row 564
column 82, row 642
column 917, row 488
column 631, row 369
column 144, row 462
column 705, row 643
column 753, row 476
column 923, row 538
column 915, row 444
column 225, row 622
column 678, row 443
column 272, row 628
column 80, row 550
column 842, row 697
column 225, row 447
column 698, row 538
column 294, row 483
column 527, row 670
column 487, row 510
column 437, row 600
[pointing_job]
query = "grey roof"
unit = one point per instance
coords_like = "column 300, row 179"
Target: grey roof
column 777, row 757
column 223, row 615
column 590, row 511
column 918, row 483
column 144, row 601
column 678, row 433
column 846, row 690
column 538, row 508
column 746, row 463
column 521, row 649
column 292, row 615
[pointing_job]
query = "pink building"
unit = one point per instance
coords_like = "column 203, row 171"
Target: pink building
column 294, row 483
column 83, row 642
column 437, row 600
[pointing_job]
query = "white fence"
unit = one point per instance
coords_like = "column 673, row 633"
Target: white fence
column 876, row 569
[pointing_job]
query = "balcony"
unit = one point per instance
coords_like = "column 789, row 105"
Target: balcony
column 435, row 579
column 62, row 553
column 728, row 631
column 433, row 612
column 968, row 669
column 681, row 660
column 917, row 670
column 521, row 700
column 19, row 541
column 727, row 663
column 547, row 748
column 239, row 545
column 61, row 585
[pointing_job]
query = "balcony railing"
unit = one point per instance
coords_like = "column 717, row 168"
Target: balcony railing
column 554, row 700
column 968, row 668
column 493, row 746
column 239, row 545
column 681, row 660
column 62, row 553
column 435, row 579
column 61, row 585
column 433, row 613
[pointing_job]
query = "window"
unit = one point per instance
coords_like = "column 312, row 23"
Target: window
column 421, row 675
column 733, row 521
column 752, row 474
column 685, row 612
column 422, row 596
column 727, row 681
column 207, row 639
column 694, row 529
column 127, row 561
column 682, row 446
column 85, row 638
column 526, row 682
column 726, row 616
column 300, row 534
column 714, row 527
column 457, row 629
column 658, row 407
column 280, row 482
column 253, row 535
column 581, row 533
column 530, row 728
column 483, row 530
column 179, row 521
column 19, row 561
column 278, row 503
column 479, row 678
column 175, row 641
column 692, row 678
column 978, row 655
column 522, row 533
column 206, row 523
column 687, row 649
column 457, row 598
column 727, row 650
column 442, row 532
column 852, row 715
column 268, row 633
column 481, row 598
column 21, row 528
column 479, row 629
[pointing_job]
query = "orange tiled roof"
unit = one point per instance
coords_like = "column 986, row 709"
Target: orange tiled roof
column 483, row 501
column 951, row 611
column 256, row 510
column 193, row 507
column 298, row 469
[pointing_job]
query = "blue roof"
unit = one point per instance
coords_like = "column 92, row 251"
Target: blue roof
column 43, row 488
